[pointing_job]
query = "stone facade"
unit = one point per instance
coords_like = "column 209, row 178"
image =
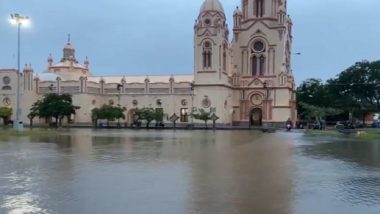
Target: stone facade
column 250, row 78
column 247, row 80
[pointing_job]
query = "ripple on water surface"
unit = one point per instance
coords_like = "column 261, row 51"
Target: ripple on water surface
column 224, row 172
column 343, row 173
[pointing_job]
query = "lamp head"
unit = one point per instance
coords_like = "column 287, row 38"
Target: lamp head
column 17, row 19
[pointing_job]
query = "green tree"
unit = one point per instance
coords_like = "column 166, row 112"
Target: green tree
column 159, row 116
column 5, row 113
column 54, row 106
column 203, row 115
column 149, row 115
column 359, row 87
column 318, row 113
column 95, row 116
column 356, row 90
column 107, row 112
column 34, row 112
column 312, row 92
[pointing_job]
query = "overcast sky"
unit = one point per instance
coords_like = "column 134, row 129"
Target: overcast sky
column 147, row 37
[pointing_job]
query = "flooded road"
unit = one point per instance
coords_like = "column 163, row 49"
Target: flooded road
column 175, row 172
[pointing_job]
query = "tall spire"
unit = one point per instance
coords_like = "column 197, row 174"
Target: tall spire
column 68, row 38
column 212, row 5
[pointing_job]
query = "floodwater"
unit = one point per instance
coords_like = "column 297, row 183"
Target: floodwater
column 200, row 172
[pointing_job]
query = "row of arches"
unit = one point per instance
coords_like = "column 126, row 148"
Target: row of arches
column 258, row 57
column 254, row 61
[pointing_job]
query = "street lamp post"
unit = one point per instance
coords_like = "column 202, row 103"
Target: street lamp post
column 266, row 88
column 192, row 104
column 18, row 20
column 119, row 87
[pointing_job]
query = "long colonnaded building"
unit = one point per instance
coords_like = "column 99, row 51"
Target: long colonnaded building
column 246, row 81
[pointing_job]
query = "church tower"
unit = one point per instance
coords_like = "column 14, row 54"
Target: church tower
column 211, row 46
column 261, row 58
column 257, row 9
column 212, row 91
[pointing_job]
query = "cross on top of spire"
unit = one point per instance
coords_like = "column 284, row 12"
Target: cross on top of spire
column 68, row 50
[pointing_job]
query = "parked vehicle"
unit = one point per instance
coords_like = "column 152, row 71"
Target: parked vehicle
column 301, row 124
column 8, row 122
column 376, row 124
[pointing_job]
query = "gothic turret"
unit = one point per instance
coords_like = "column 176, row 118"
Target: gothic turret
column 238, row 16
column 50, row 60
column 211, row 42
column 86, row 63
column 212, row 19
column 28, row 77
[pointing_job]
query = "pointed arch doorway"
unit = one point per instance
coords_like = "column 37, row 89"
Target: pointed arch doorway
column 256, row 117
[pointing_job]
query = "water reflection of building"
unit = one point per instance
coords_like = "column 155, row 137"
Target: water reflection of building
column 247, row 80
column 241, row 173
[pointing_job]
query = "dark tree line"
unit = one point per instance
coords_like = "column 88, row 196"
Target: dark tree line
column 355, row 91
column 112, row 113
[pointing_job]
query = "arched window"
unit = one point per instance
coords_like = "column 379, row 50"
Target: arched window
column 245, row 8
column 259, row 8
column 254, row 65
column 258, row 59
column 224, row 61
column 207, row 55
column 224, row 57
column 282, row 79
column 262, row 65
column 207, row 59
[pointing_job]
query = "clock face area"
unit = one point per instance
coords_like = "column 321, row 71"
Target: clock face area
column 256, row 99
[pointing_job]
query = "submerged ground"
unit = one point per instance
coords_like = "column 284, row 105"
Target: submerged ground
column 224, row 172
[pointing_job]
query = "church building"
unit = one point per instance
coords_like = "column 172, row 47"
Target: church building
column 246, row 81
